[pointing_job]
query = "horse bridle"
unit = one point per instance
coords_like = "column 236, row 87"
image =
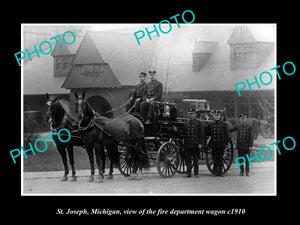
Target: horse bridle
column 83, row 103
column 50, row 104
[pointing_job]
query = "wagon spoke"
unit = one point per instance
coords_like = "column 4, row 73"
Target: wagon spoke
column 168, row 170
column 164, row 169
column 172, row 168
column 223, row 167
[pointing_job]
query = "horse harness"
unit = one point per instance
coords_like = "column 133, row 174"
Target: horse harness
column 64, row 124
column 118, row 139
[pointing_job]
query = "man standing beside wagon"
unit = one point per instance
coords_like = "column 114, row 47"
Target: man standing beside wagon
column 219, row 133
column 244, row 141
column 194, row 140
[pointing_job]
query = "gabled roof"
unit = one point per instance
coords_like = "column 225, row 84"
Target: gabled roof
column 38, row 74
column 125, row 57
column 63, row 50
column 170, row 54
column 241, row 34
column 103, row 79
column 89, row 54
column 38, row 77
column 120, row 51
column 174, row 54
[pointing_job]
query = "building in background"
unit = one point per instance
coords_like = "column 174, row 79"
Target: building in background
column 195, row 61
column 46, row 73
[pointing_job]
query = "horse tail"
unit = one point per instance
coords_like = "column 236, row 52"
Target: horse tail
column 145, row 161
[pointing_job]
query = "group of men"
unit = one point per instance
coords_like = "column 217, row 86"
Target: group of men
column 219, row 139
column 145, row 96
column 144, row 99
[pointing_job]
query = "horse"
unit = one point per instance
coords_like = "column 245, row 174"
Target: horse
column 98, row 131
column 113, row 156
column 58, row 116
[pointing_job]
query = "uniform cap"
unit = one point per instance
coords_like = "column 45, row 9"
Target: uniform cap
column 152, row 72
column 142, row 73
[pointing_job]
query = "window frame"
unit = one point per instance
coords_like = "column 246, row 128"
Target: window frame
column 93, row 68
column 243, row 53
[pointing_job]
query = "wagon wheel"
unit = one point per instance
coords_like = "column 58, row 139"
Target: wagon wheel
column 182, row 168
column 227, row 158
column 267, row 132
column 167, row 159
column 125, row 161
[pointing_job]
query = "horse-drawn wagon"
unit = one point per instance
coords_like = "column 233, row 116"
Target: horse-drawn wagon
column 164, row 141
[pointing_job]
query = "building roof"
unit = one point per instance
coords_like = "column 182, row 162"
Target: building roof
column 38, row 77
column 125, row 59
column 241, row 34
column 174, row 54
column 38, row 74
column 171, row 55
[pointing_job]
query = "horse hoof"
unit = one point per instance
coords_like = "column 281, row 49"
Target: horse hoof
column 109, row 176
column 132, row 176
column 73, row 178
column 90, row 179
column 64, row 178
column 99, row 180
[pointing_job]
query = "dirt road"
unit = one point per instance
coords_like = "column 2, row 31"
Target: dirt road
column 261, row 181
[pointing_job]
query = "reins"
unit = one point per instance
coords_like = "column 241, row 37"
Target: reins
column 93, row 122
column 118, row 117
column 114, row 109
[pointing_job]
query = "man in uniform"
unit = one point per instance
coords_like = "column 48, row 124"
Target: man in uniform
column 244, row 141
column 139, row 93
column 219, row 133
column 154, row 92
column 194, row 139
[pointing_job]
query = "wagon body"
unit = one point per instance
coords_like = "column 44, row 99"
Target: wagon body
column 164, row 142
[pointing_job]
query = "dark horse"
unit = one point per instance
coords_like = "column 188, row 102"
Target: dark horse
column 98, row 131
column 58, row 116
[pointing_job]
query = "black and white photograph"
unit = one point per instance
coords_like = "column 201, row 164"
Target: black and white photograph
column 138, row 111
column 149, row 109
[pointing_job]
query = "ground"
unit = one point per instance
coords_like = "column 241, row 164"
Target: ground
column 42, row 174
column 261, row 181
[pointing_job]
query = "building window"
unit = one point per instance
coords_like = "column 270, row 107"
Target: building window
column 59, row 64
column 248, row 53
column 99, row 68
column 244, row 53
column 238, row 53
column 66, row 65
column 82, row 68
column 63, row 63
column 89, row 68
